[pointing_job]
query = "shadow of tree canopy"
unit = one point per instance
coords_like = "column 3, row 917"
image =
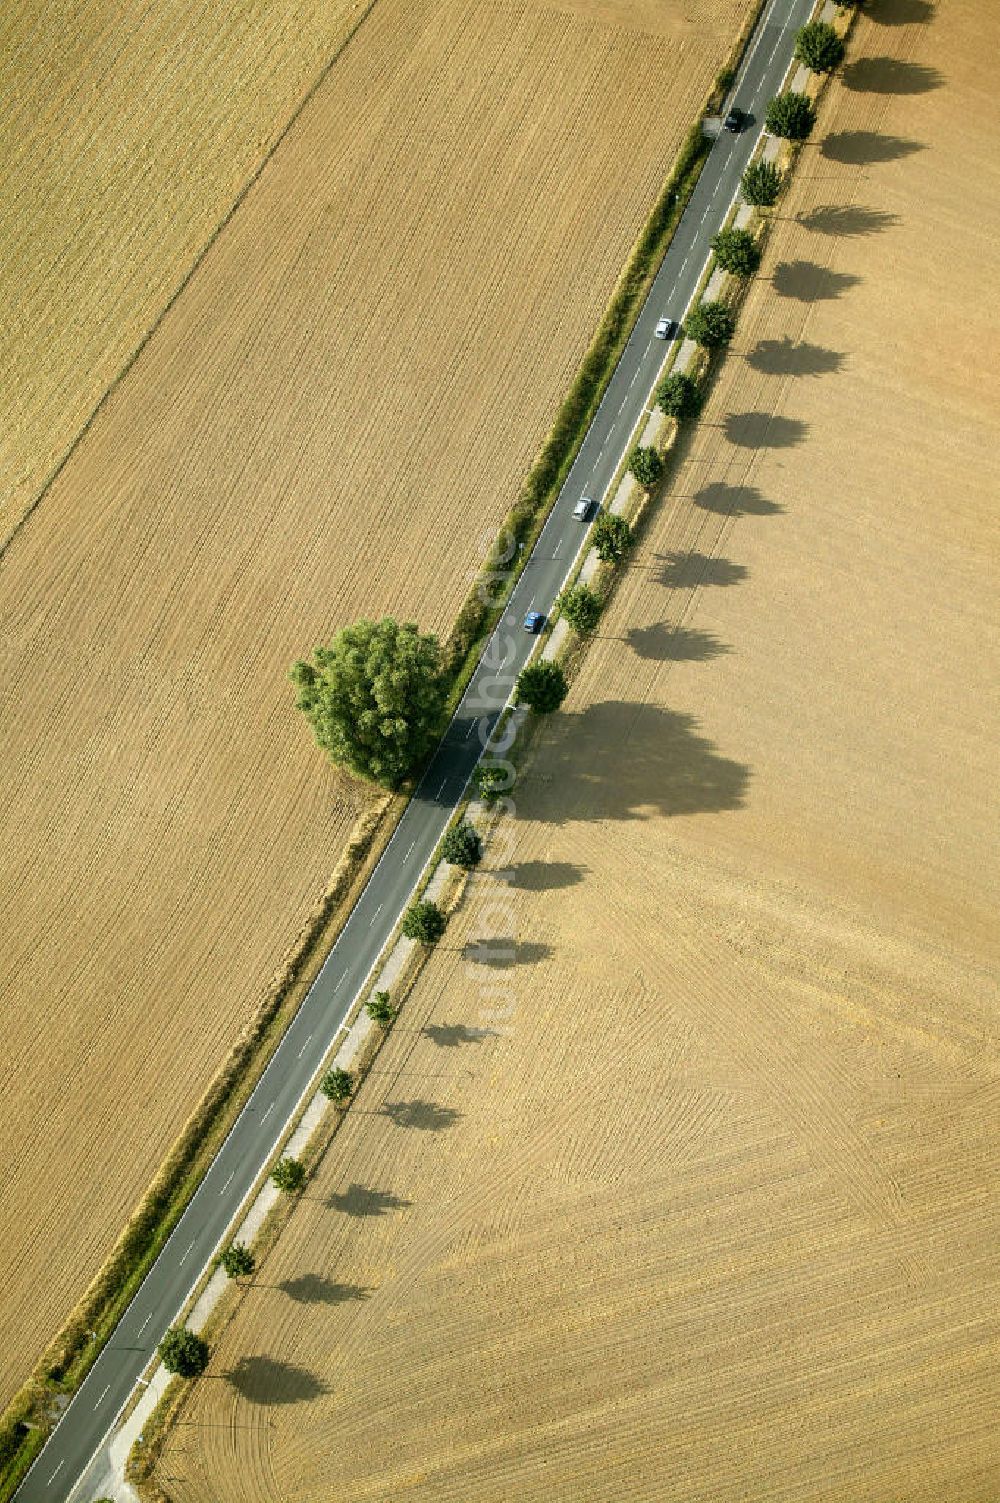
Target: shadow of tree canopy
column 542, row 876
column 865, row 148
column 764, row 430
column 847, row 219
column 359, row 1200
column 689, row 571
column 504, row 950
column 735, row 500
column 262, row 1380
column 627, row 761
column 450, row 1035
column 890, row 75
column 783, row 357
column 809, row 283
column 661, row 643
column 425, row 1116
column 900, row 12
column 315, row 1289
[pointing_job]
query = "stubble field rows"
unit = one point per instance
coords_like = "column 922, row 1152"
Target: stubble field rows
column 330, row 421
column 677, row 1177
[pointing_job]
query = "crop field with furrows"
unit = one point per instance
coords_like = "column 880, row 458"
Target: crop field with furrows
column 677, row 1178
column 331, row 420
column 126, row 133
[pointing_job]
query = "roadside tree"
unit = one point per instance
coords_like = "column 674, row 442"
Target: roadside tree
column 612, row 537
column 424, row 922
column 492, row 780
column 238, row 1261
column 737, row 252
column 337, row 1085
column 645, row 464
column 289, row 1175
column 582, row 607
column 374, row 698
column 761, row 184
column 678, row 396
column 542, row 687
column 711, row 325
column 790, row 115
column 380, row 1009
column 819, row 47
column 183, row 1353
column 463, row 846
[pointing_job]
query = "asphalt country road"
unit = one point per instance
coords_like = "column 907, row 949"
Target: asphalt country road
column 89, row 1419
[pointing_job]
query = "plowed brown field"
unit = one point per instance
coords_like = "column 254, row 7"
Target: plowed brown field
column 694, row 1197
column 328, row 422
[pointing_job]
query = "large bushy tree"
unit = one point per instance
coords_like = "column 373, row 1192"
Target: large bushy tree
column 819, row 47
column 736, row 251
column 612, row 537
column 678, row 396
column 645, row 464
column 542, row 687
column 790, row 115
column 374, row 697
column 337, row 1085
column 183, row 1353
column 711, row 325
column 238, row 1261
column 761, row 184
column 582, row 607
column 289, row 1175
column 463, row 845
column 424, row 922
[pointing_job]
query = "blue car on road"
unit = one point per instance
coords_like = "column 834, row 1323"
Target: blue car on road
column 533, row 622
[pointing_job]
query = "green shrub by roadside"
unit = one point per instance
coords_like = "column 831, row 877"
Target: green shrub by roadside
column 582, row 607
column 462, row 846
column 424, row 921
column 679, row 396
column 761, row 184
column 542, row 687
column 790, row 115
column 711, row 325
column 737, row 252
column 819, row 46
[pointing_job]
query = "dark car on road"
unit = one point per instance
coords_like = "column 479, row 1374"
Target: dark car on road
column 735, row 120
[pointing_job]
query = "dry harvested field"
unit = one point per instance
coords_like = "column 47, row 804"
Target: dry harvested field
column 126, row 133
column 694, row 1197
column 329, row 421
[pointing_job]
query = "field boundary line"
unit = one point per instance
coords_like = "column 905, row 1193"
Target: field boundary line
column 148, row 334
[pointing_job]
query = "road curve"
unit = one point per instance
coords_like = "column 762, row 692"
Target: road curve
column 89, row 1419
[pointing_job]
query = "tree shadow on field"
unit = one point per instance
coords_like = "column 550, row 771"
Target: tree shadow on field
column 633, row 761
column 450, row 1035
column 661, row 643
column 782, row 357
column 689, row 571
column 847, row 220
column 809, row 283
column 315, row 1289
column 504, row 950
column 262, row 1380
column 764, row 430
column 543, row 876
column 735, row 501
column 865, row 148
column 424, row 1116
column 359, row 1200
column 890, row 75
column 901, row 12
